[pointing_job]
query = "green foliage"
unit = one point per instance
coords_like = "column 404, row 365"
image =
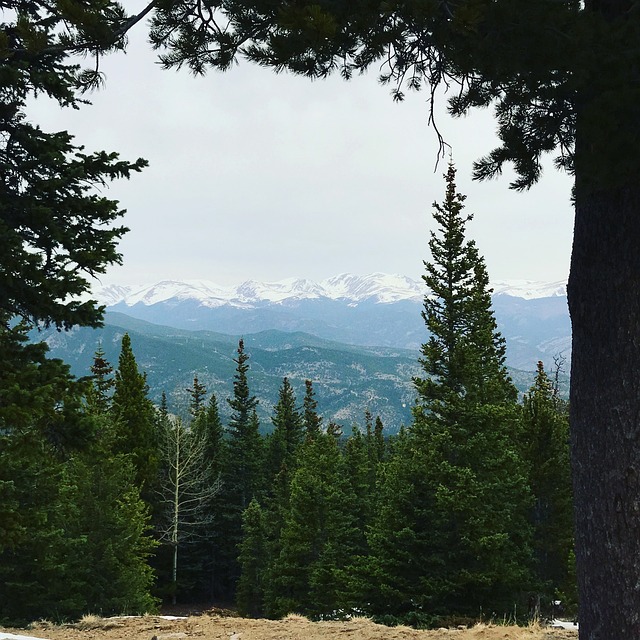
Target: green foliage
column 252, row 560
column 312, row 421
column 287, row 435
column 530, row 60
column 242, row 476
column 99, row 394
column 56, row 231
column 134, row 419
column 464, row 356
column 197, row 393
column 545, row 446
column 76, row 527
column 451, row 534
column 107, row 548
column 317, row 537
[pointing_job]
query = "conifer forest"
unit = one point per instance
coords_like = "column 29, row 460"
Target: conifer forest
column 111, row 505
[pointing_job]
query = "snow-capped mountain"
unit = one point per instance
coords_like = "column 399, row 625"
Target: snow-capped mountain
column 377, row 287
column 374, row 310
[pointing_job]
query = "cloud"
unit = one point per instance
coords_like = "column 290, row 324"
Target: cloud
column 264, row 176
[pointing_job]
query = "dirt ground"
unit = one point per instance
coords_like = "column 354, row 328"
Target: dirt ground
column 216, row 627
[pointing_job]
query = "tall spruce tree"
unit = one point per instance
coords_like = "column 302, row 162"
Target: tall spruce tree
column 283, row 451
column 252, row 559
column 198, row 394
column 312, row 421
column 546, row 453
column 135, row 420
column 242, row 476
column 317, row 538
column 245, row 444
column 99, row 394
column 287, row 434
column 458, row 543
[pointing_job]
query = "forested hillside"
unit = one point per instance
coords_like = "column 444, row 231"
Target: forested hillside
column 346, row 378
column 114, row 503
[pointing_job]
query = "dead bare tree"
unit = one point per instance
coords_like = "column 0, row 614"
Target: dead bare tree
column 186, row 490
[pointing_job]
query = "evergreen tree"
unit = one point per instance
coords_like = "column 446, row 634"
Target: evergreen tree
column 208, row 427
column 361, row 470
column 457, row 541
column 197, row 393
column 245, row 445
column 252, row 560
column 107, row 543
column 287, row 434
column 242, row 476
column 134, row 417
column 546, row 453
column 56, row 231
column 312, row 421
column 316, row 540
column 378, row 440
column 99, row 395
column 464, row 355
column 78, row 542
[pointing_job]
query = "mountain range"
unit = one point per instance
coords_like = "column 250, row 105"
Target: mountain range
column 372, row 310
column 356, row 337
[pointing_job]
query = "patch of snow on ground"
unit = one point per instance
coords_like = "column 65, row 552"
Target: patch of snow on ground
column 564, row 624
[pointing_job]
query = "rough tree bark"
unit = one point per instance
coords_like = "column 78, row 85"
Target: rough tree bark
column 604, row 301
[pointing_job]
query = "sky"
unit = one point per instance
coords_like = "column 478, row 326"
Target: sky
column 261, row 176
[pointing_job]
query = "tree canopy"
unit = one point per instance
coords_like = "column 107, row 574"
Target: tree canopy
column 561, row 76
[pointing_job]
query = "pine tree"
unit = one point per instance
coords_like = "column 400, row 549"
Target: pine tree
column 99, row 395
column 312, row 421
column 198, row 393
column 546, row 453
column 458, row 543
column 287, row 434
column 252, row 560
column 464, row 355
column 57, row 231
column 134, row 417
column 204, row 555
column 107, row 542
column 378, row 439
column 361, row 470
column 245, row 445
column 318, row 537
column 242, row 476
column 78, row 541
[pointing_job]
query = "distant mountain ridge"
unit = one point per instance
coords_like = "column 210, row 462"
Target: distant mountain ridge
column 347, row 379
column 377, row 287
column 376, row 310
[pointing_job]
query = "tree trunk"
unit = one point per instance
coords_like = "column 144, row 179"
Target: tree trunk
column 604, row 302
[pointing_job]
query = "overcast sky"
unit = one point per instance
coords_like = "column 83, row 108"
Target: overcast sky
column 260, row 176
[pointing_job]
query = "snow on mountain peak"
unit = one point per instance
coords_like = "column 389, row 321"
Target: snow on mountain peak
column 376, row 287
column 529, row 289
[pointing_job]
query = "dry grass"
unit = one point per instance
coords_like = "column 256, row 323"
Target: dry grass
column 293, row 627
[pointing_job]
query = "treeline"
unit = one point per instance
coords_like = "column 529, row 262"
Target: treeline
column 111, row 505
